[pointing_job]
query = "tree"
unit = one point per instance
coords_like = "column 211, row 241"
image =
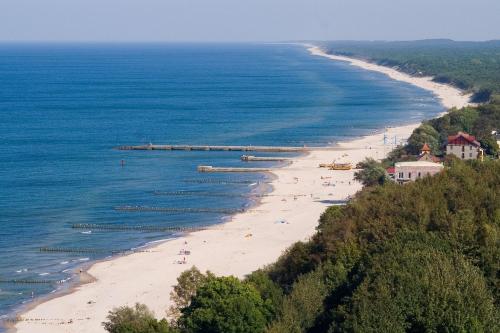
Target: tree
column 224, row 305
column 425, row 133
column 371, row 173
column 271, row 293
column 138, row 319
column 303, row 305
column 187, row 284
column 418, row 285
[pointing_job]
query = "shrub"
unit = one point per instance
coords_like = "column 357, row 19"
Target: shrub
column 138, row 319
column 225, row 305
column 187, row 284
column 371, row 173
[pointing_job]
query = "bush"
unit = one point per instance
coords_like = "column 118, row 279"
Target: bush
column 187, row 284
column 225, row 305
column 371, row 173
column 138, row 319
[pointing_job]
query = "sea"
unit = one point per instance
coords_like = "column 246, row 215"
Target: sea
column 65, row 107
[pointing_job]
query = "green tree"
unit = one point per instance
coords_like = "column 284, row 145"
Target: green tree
column 187, row 284
column 138, row 319
column 416, row 286
column 425, row 133
column 271, row 293
column 225, row 305
column 371, row 173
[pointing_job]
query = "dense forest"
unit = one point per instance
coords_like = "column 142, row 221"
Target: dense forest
column 472, row 66
column 419, row 257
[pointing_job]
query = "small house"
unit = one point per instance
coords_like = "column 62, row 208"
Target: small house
column 410, row 171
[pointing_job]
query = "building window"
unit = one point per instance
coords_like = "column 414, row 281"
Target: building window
column 470, row 154
column 401, row 175
column 463, row 148
column 409, row 175
column 470, row 147
column 463, row 155
column 419, row 175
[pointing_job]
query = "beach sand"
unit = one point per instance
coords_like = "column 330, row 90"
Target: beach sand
column 251, row 240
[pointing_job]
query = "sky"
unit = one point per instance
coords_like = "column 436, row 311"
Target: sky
column 247, row 20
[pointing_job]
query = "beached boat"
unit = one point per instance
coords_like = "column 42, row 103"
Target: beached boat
column 341, row 166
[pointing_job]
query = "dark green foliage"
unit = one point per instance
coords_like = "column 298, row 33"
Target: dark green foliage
column 303, row 305
column 298, row 259
column 371, row 173
column 473, row 66
column 420, row 257
column 417, row 285
column 271, row 293
column 425, row 133
column 135, row 320
column 225, row 305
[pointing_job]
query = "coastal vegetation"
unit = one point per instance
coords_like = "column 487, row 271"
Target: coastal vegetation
column 472, row 66
column 479, row 121
column 423, row 257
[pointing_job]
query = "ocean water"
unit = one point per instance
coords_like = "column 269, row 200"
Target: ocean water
column 63, row 107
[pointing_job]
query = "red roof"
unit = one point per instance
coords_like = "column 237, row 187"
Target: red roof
column 391, row 170
column 426, row 147
column 462, row 138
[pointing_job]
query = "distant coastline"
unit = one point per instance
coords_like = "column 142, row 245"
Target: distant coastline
column 247, row 242
column 448, row 95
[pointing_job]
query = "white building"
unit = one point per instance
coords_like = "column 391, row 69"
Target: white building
column 411, row 171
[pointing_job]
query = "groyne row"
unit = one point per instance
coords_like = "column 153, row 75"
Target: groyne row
column 179, row 210
column 144, row 228
column 200, row 193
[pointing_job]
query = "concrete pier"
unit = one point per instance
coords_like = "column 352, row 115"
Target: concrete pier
column 276, row 149
column 250, row 158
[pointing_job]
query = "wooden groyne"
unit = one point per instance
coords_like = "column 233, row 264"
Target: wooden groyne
column 78, row 250
column 209, row 168
column 142, row 228
column 75, row 250
column 250, row 158
column 223, row 181
column 201, row 194
column 276, row 149
column 28, row 281
column 179, row 210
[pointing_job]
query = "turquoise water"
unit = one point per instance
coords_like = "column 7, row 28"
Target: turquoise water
column 64, row 107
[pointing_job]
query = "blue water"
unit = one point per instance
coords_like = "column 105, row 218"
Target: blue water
column 64, row 107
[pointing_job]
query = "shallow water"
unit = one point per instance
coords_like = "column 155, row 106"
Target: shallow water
column 64, row 107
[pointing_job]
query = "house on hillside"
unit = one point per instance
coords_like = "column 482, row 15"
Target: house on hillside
column 426, row 155
column 464, row 146
column 497, row 136
column 391, row 171
column 410, row 171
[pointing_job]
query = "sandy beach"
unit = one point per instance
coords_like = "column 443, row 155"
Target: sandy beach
column 250, row 240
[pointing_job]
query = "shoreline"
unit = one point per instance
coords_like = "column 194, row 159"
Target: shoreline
column 244, row 243
column 448, row 95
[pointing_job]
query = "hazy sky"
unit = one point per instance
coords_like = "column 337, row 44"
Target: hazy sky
column 247, row 20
